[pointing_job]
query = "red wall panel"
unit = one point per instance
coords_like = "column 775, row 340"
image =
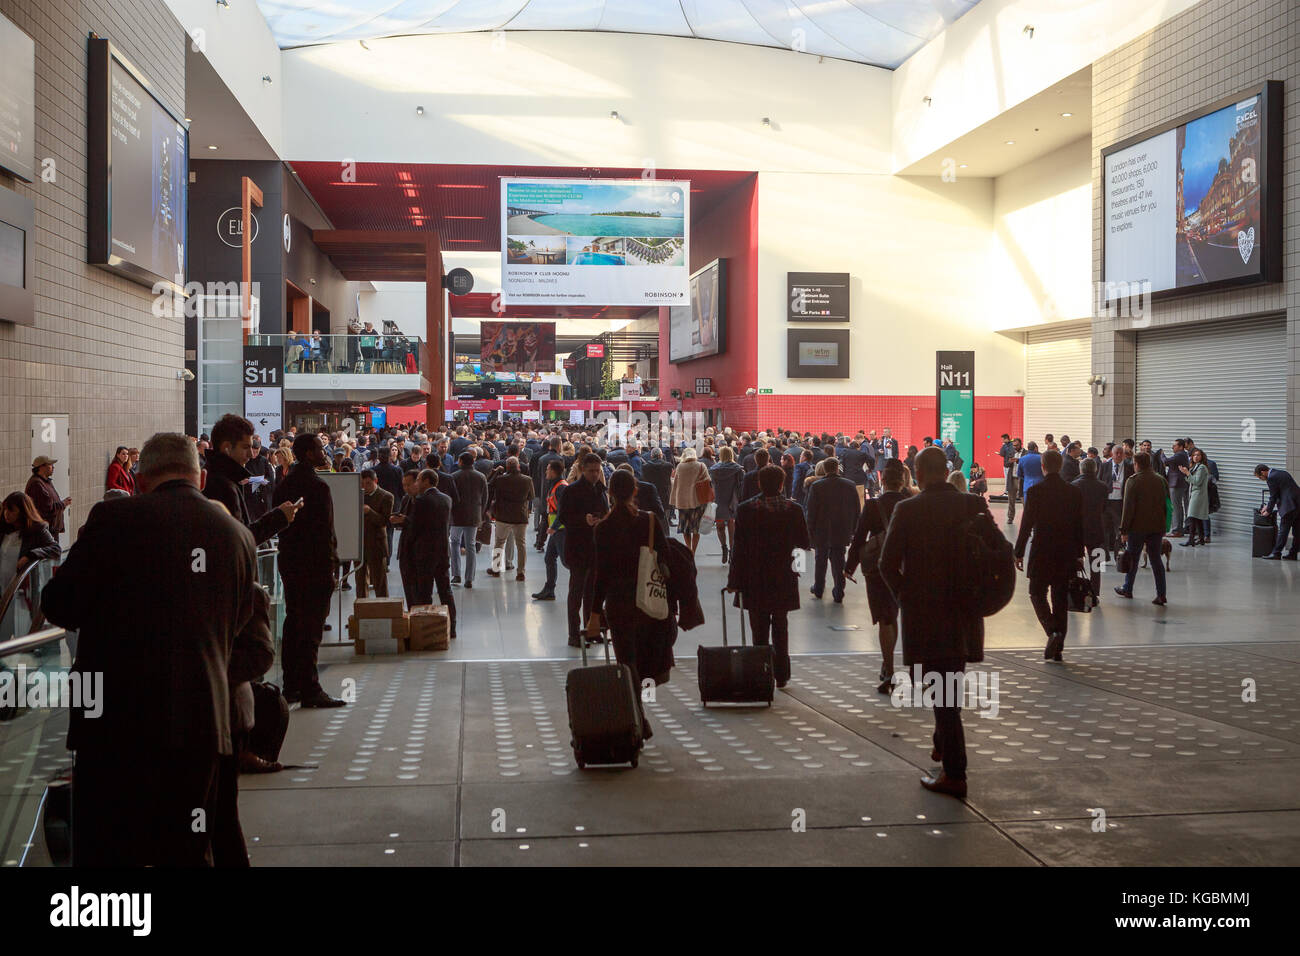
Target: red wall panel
column 729, row 231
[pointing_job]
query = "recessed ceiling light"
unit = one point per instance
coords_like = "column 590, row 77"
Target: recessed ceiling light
column 212, row 147
column 1011, row 142
column 1067, row 115
column 962, row 165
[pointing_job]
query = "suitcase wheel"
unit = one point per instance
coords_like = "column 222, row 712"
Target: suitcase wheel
column 635, row 758
column 582, row 765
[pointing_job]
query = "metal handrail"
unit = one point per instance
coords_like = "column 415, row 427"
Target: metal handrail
column 19, row 645
column 12, row 590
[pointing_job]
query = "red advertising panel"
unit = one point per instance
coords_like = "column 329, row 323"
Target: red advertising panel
column 605, row 406
column 595, row 350
column 566, row 405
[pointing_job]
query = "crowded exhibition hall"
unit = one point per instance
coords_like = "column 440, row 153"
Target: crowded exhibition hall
column 641, row 433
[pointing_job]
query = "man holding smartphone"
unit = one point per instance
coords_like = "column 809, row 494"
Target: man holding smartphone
column 308, row 555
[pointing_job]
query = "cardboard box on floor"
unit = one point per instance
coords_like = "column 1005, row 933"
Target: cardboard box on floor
column 377, row 607
column 379, row 635
column 430, row 628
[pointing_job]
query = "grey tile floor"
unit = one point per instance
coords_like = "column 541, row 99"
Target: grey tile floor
column 1140, row 749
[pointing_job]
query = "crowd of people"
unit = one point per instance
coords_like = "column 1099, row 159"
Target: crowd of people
column 585, row 498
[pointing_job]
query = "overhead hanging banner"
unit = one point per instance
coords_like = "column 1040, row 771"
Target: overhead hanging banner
column 594, row 241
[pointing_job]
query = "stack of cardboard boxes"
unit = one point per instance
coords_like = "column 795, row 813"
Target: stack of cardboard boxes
column 381, row 626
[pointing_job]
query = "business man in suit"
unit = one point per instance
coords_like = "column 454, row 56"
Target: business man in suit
column 1094, row 493
column 1054, row 517
column 308, row 556
column 941, row 635
column 377, row 508
column 1115, row 474
column 647, row 497
column 583, row 503
column 659, row 473
column 423, row 550
column 1178, row 486
column 1284, row 501
column 159, row 586
column 832, row 518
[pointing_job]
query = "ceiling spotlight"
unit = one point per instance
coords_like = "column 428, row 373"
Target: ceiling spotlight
column 613, row 114
column 962, row 165
column 926, row 100
column 1028, row 31
column 419, row 111
column 767, row 122
column 212, row 147
column 223, row 3
column 364, row 45
column 1067, row 115
column 266, row 80
column 1011, row 142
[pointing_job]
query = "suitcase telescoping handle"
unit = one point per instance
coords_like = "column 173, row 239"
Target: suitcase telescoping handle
column 740, row 598
column 604, row 633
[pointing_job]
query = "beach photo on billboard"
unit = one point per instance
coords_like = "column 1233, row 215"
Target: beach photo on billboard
column 596, row 251
column 655, row 251
column 537, row 250
column 596, row 207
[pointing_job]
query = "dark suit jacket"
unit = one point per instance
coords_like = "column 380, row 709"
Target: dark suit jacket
column 832, row 512
column 1054, row 516
column 471, row 498
column 660, row 474
column 1094, row 503
column 1283, row 493
column 1171, row 466
column 423, row 548
column 375, row 524
column 307, row 545
column 156, row 619
column 761, row 566
column 917, row 564
column 647, row 499
column 389, row 476
column 222, row 484
column 1069, row 469
column 577, row 501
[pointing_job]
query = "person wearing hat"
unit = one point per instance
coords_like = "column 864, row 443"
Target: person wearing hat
column 40, row 488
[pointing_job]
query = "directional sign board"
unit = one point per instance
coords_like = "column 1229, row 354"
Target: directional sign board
column 264, row 389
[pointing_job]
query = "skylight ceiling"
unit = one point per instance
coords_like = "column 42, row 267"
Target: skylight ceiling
column 880, row 32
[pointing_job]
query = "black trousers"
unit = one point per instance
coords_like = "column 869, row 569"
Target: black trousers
column 306, row 606
column 1054, row 616
column 133, row 808
column 835, row 556
column 421, row 592
column 1110, row 518
column 373, row 572
column 582, row 588
column 228, row 848
column 1288, row 527
column 773, row 626
column 949, row 737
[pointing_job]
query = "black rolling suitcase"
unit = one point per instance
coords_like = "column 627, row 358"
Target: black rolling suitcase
column 604, row 719
column 1264, row 530
column 270, row 721
column 735, row 675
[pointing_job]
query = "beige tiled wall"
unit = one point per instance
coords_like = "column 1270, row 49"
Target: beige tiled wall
column 96, row 352
column 1206, row 53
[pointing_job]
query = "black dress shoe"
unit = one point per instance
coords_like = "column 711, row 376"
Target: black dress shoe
column 323, row 699
column 1187, row 544
column 815, row 594
column 1272, row 557
column 1161, row 600
column 456, row 579
column 292, row 696
column 936, row 757
column 1122, row 593
column 544, row 596
column 886, row 686
column 493, row 574
column 1057, row 657
column 1055, row 646
column 945, row 784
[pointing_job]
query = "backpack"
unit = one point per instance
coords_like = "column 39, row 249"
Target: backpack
column 986, row 563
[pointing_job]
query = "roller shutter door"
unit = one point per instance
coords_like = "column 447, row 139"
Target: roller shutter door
column 1058, row 399
column 1204, row 382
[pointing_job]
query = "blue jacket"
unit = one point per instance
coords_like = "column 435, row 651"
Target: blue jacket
column 1031, row 470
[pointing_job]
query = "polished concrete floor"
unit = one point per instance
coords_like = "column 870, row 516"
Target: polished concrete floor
column 1169, row 736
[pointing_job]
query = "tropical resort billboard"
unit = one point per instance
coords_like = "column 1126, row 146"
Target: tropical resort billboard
column 595, row 242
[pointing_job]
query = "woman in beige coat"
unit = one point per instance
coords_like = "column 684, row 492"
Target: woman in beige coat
column 682, row 496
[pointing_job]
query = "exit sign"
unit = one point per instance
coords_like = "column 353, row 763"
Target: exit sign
column 765, row 391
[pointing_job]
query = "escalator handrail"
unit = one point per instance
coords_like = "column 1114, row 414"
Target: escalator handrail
column 12, row 590
column 20, row 645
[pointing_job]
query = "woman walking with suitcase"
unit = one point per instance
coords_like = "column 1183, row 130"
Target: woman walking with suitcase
column 619, row 537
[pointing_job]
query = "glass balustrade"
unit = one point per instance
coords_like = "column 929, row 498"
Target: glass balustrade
column 346, row 354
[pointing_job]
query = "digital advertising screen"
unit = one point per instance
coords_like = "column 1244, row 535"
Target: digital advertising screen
column 699, row 329
column 817, row 353
column 594, row 241
column 1195, row 205
column 17, row 101
column 138, row 175
column 517, row 346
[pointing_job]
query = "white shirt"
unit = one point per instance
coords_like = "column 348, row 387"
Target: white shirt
column 1117, row 481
